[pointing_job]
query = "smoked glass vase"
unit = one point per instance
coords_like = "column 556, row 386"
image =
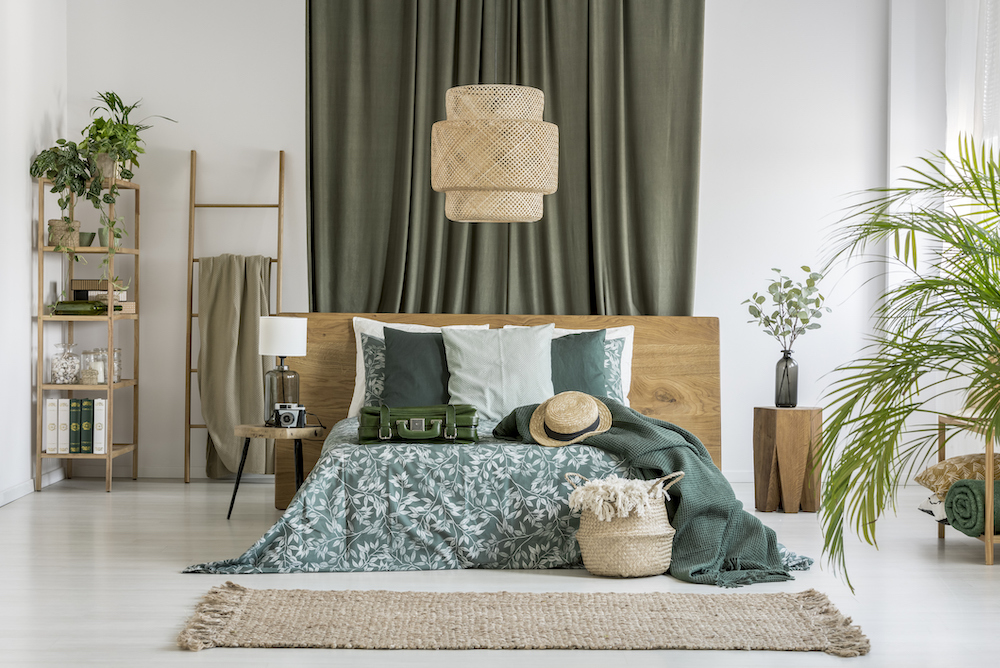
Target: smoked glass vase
column 786, row 381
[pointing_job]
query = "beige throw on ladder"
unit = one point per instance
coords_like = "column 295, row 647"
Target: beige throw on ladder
column 233, row 293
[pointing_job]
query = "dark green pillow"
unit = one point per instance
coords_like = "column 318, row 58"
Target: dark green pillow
column 416, row 369
column 578, row 363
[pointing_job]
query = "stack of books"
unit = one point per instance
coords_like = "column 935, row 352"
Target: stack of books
column 76, row 426
column 95, row 289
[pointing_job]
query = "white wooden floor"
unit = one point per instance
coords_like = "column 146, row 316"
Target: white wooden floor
column 94, row 579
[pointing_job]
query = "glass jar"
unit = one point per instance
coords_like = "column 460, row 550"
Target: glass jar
column 116, row 365
column 89, row 374
column 66, row 365
column 101, row 364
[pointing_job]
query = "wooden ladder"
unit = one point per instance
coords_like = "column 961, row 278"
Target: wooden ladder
column 191, row 315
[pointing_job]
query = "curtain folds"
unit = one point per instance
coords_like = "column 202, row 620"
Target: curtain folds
column 622, row 80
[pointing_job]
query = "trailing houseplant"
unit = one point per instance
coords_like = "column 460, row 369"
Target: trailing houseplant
column 71, row 172
column 795, row 309
column 935, row 336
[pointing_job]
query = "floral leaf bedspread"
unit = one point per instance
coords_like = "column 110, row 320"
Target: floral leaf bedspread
column 397, row 506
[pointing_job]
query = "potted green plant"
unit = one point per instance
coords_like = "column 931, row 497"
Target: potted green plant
column 71, row 172
column 114, row 139
column 795, row 308
column 936, row 336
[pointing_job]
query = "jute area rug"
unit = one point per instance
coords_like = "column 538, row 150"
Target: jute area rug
column 235, row 616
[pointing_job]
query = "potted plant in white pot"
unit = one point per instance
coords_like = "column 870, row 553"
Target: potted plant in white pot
column 113, row 141
column 795, row 308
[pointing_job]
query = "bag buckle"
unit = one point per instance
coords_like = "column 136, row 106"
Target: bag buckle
column 384, row 432
column 417, row 424
column 453, row 435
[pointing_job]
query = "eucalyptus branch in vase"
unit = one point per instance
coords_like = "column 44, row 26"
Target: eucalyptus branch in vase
column 795, row 309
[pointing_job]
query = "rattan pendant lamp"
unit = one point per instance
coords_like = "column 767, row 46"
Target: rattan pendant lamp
column 494, row 157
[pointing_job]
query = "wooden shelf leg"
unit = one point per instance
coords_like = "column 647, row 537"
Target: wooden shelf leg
column 941, row 458
column 989, row 500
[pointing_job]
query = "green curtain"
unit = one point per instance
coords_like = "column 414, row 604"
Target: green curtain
column 622, row 80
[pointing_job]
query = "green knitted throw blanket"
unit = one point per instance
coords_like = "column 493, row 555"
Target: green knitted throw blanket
column 717, row 542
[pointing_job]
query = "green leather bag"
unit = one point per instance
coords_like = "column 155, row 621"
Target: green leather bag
column 448, row 423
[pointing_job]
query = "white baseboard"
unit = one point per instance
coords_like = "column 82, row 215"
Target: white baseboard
column 53, row 476
column 28, row 486
column 95, row 469
column 738, row 476
column 16, row 492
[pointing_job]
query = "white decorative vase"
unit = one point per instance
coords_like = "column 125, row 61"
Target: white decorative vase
column 107, row 167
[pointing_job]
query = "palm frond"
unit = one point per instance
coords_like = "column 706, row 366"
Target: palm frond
column 934, row 328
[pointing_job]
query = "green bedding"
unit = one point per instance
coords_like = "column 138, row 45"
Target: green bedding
column 717, row 542
column 497, row 504
column 965, row 507
column 414, row 506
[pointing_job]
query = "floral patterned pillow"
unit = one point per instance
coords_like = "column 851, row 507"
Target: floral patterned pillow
column 373, row 351
column 613, row 349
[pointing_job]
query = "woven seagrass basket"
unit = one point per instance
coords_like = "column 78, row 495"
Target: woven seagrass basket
column 629, row 547
column 64, row 234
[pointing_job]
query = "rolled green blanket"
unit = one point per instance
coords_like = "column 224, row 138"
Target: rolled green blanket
column 965, row 507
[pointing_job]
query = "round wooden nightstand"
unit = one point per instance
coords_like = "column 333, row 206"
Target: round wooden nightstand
column 296, row 434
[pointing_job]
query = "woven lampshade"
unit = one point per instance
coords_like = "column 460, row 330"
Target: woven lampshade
column 494, row 157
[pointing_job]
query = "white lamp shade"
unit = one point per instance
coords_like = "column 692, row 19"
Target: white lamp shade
column 282, row 337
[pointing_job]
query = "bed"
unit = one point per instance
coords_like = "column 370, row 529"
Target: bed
column 502, row 502
column 675, row 372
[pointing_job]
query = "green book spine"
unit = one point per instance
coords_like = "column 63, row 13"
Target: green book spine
column 87, row 426
column 74, row 426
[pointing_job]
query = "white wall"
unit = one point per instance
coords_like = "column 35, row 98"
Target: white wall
column 32, row 117
column 232, row 74
column 794, row 118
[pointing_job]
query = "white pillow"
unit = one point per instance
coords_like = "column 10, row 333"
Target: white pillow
column 626, row 333
column 375, row 328
column 500, row 369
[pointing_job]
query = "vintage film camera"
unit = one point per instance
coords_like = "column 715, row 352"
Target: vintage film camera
column 289, row 415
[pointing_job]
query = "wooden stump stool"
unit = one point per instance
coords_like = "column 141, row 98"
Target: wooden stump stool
column 785, row 445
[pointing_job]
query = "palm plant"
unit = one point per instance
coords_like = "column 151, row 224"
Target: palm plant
column 935, row 336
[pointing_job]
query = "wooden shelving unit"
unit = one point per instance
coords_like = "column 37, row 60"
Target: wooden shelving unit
column 114, row 449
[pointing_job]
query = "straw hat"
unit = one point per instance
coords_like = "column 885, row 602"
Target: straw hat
column 567, row 418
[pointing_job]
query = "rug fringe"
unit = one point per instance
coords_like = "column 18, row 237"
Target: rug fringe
column 843, row 638
column 213, row 612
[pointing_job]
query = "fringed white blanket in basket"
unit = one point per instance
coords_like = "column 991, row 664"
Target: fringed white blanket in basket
column 624, row 528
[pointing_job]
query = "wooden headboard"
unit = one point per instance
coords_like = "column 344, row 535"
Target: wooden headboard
column 675, row 369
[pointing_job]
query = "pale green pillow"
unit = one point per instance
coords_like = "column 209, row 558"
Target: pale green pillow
column 497, row 370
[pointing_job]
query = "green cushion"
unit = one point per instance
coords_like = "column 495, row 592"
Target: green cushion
column 498, row 370
column 578, row 363
column 416, row 369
